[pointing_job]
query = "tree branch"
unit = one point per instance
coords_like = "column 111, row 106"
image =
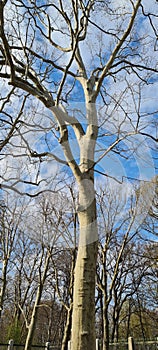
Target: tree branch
column 116, row 49
column 5, row 42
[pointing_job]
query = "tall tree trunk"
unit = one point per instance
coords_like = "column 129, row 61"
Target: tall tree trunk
column 129, row 318
column 4, row 283
column 32, row 325
column 106, row 327
column 101, row 311
column 83, row 318
column 67, row 329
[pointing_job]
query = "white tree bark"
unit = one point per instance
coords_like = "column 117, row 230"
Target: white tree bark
column 83, row 319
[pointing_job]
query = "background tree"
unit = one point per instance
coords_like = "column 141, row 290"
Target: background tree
column 10, row 218
column 123, row 264
column 132, row 297
column 42, row 54
column 43, row 225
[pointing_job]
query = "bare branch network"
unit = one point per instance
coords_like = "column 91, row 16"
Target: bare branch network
column 78, row 100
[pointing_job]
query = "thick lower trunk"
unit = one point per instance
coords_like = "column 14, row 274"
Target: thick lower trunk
column 83, row 318
column 83, row 321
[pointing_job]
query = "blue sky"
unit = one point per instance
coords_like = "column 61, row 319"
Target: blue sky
column 127, row 98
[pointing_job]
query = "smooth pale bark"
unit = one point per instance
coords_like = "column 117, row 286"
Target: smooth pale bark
column 83, row 321
column 83, row 318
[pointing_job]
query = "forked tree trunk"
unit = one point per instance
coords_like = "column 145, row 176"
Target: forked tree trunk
column 68, row 326
column 67, row 330
column 83, row 318
column 32, row 325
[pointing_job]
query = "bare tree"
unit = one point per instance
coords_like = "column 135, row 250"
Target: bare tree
column 154, row 207
column 65, row 223
column 122, row 265
column 10, row 218
column 43, row 50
